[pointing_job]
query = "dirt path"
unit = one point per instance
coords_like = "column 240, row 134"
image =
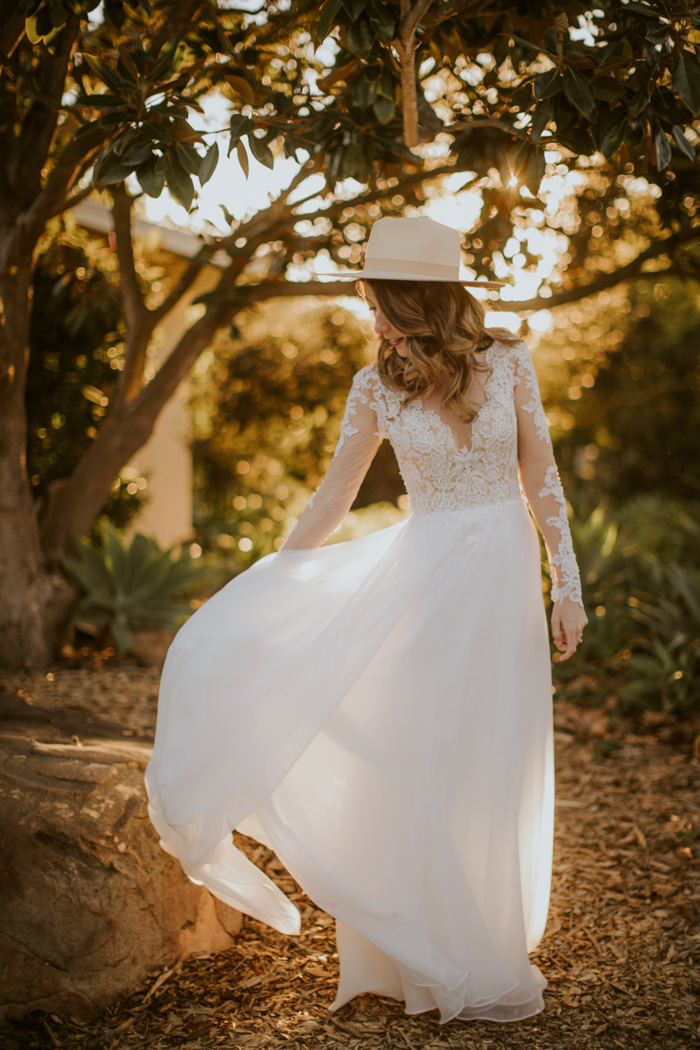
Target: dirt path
column 620, row 951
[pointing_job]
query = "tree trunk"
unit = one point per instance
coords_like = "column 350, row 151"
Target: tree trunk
column 74, row 503
column 27, row 586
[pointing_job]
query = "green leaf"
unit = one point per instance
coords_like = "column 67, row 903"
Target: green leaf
column 533, row 47
column 640, row 9
column 663, row 150
column 208, row 164
column 540, row 119
column 382, row 22
column 261, row 151
column 384, row 109
column 32, row 30
column 150, row 183
column 682, row 142
column 240, row 126
column 179, row 183
column 188, row 157
column 607, row 89
column 116, row 84
column 548, row 83
column 151, row 176
column 359, row 38
column 243, row 158
column 365, row 91
column 241, row 86
column 122, row 637
column 116, row 556
column 137, row 153
column 105, row 101
column 577, row 140
column 612, row 52
column 111, row 170
column 639, row 101
column 354, row 8
column 529, row 165
column 613, row 137
column 328, row 12
column 577, row 90
column 686, row 81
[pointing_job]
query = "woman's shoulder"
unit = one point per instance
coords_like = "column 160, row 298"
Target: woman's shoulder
column 504, row 342
column 367, row 378
column 508, row 348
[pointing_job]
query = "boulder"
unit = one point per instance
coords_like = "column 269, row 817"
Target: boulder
column 90, row 902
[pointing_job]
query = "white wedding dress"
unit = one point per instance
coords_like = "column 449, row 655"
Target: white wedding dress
column 378, row 712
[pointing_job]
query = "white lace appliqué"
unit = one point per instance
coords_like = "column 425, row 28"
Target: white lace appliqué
column 442, row 477
column 438, row 474
column 527, row 372
column 566, row 582
column 362, row 392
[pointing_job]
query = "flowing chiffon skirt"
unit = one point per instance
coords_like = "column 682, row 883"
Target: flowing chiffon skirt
column 378, row 712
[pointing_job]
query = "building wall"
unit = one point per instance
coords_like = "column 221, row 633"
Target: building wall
column 165, row 460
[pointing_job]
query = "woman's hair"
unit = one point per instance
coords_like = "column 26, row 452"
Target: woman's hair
column 444, row 328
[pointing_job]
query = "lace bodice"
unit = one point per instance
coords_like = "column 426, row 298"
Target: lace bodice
column 510, row 449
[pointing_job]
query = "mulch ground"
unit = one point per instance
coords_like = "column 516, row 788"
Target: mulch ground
column 620, row 951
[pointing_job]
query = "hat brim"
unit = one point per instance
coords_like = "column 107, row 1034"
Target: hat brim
column 383, row 275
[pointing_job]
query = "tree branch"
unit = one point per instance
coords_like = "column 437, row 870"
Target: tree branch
column 633, row 269
column 405, row 182
column 488, row 122
column 183, row 283
column 405, row 45
column 11, row 32
column 131, row 289
column 71, row 201
column 31, row 148
column 411, row 18
column 62, row 176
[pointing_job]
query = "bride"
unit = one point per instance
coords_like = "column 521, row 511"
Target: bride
column 378, row 712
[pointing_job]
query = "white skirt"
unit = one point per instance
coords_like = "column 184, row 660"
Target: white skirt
column 378, row 712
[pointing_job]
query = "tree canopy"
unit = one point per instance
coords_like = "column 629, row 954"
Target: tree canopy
column 568, row 119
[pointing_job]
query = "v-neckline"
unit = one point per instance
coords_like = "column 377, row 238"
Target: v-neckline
column 461, row 449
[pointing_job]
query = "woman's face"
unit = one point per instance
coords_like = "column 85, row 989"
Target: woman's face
column 383, row 327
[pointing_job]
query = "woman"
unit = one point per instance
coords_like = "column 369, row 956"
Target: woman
column 378, row 712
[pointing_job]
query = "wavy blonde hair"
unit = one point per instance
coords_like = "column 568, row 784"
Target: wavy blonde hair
column 444, row 329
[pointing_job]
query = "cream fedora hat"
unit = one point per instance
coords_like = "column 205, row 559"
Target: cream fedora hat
column 412, row 250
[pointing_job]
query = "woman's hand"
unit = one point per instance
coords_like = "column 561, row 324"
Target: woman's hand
column 568, row 621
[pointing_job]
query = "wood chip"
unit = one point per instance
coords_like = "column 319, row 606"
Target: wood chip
column 620, row 949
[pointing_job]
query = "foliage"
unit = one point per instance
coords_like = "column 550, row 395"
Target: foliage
column 133, row 586
column 621, row 79
column 76, row 351
column 622, row 385
column 267, row 409
column 640, row 571
column 393, row 95
column 667, row 663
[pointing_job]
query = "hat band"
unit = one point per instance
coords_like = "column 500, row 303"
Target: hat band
column 404, row 266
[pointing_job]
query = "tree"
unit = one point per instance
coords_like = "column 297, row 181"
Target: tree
column 106, row 96
column 76, row 343
column 632, row 373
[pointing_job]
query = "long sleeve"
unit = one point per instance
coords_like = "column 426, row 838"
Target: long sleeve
column 540, row 481
column 356, row 448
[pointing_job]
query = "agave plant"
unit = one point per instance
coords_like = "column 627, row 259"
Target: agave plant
column 134, row 586
column 668, row 658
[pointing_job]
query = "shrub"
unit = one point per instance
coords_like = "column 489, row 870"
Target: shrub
column 135, row 586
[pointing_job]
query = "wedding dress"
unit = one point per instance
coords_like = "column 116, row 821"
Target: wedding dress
column 378, row 711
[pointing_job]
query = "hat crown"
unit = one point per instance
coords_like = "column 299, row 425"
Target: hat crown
column 415, row 240
column 412, row 249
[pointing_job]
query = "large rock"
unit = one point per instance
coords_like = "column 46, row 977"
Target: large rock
column 90, row 904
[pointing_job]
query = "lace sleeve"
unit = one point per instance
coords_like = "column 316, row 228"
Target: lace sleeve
column 356, row 448
column 540, row 480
